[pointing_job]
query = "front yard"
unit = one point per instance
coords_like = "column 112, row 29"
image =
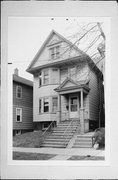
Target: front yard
column 30, row 139
column 41, row 156
column 31, row 156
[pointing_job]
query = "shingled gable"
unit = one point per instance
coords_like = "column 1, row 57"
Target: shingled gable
column 30, row 67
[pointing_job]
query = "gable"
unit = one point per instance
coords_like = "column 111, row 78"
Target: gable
column 67, row 83
column 66, row 50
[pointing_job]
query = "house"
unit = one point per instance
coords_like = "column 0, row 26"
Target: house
column 22, row 104
column 67, row 85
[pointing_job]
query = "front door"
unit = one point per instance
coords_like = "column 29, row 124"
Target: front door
column 73, row 107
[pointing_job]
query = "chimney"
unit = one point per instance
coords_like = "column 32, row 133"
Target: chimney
column 16, row 72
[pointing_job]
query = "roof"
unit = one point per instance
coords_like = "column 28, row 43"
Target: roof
column 82, row 57
column 72, row 85
column 44, row 44
column 22, row 80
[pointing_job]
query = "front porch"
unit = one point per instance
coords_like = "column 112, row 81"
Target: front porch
column 74, row 104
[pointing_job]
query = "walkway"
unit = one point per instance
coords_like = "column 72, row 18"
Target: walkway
column 62, row 153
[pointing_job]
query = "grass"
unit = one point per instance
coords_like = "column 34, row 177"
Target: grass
column 30, row 139
column 31, row 156
column 86, row 158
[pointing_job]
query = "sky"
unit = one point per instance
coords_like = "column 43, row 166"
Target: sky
column 27, row 34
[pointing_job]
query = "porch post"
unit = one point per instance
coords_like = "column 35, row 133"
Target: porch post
column 82, row 113
column 59, row 109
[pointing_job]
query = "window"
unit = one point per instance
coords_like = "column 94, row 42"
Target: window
column 54, row 104
column 55, row 76
column 73, row 104
column 54, row 52
column 18, row 92
column 40, row 105
column 72, row 73
column 46, row 104
column 46, row 77
column 40, row 79
column 18, row 114
column 64, row 74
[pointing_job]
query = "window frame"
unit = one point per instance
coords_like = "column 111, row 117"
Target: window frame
column 17, row 92
column 44, row 105
column 53, row 109
column 54, row 52
column 19, row 115
column 47, row 83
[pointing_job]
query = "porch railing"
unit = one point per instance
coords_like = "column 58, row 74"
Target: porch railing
column 50, row 125
column 69, row 125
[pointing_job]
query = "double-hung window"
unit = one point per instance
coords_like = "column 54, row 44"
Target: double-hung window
column 18, row 114
column 46, row 105
column 46, row 77
column 54, row 52
column 54, row 104
column 18, row 92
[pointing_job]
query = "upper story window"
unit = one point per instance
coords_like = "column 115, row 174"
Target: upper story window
column 18, row 92
column 18, row 114
column 63, row 74
column 40, row 79
column 54, row 52
column 72, row 73
column 46, row 76
column 55, row 76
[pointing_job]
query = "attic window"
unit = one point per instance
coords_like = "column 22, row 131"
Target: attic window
column 54, row 52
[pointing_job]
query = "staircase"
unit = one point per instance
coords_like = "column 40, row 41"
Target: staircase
column 61, row 135
column 83, row 141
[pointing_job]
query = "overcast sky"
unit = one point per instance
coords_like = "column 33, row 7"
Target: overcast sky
column 26, row 35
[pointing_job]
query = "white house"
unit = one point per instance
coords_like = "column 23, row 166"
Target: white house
column 67, row 85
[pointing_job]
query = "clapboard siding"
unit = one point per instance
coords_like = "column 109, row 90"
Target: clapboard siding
column 93, row 96
column 26, row 103
column 27, row 95
column 27, row 118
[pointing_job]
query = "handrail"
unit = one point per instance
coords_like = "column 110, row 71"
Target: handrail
column 67, row 127
column 49, row 126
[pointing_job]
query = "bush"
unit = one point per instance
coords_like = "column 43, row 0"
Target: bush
column 99, row 137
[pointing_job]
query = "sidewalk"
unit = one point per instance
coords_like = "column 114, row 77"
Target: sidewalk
column 62, row 151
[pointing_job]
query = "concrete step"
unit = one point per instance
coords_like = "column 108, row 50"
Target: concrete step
column 82, row 146
column 53, row 145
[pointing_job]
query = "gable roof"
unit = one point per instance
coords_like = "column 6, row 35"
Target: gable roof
column 73, row 84
column 22, row 80
column 44, row 44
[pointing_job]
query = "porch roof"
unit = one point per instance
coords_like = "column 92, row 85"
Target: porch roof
column 70, row 86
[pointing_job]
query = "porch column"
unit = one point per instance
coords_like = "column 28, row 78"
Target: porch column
column 59, row 109
column 82, row 113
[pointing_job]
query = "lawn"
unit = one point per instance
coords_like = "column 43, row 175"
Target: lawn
column 30, row 139
column 31, row 156
column 86, row 158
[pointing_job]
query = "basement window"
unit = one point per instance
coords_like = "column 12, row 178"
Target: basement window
column 18, row 114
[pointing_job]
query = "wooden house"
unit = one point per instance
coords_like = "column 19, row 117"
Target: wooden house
column 22, row 104
column 67, row 85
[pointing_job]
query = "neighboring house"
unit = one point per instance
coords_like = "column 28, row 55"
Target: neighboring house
column 67, row 85
column 22, row 104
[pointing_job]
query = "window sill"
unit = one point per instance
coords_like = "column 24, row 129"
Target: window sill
column 18, row 121
column 49, row 84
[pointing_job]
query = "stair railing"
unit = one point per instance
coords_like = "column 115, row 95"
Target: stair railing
column 43, row 134
column 66, row 131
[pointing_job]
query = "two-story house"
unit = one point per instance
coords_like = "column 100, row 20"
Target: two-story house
column 22, row 104
column 67, row 85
